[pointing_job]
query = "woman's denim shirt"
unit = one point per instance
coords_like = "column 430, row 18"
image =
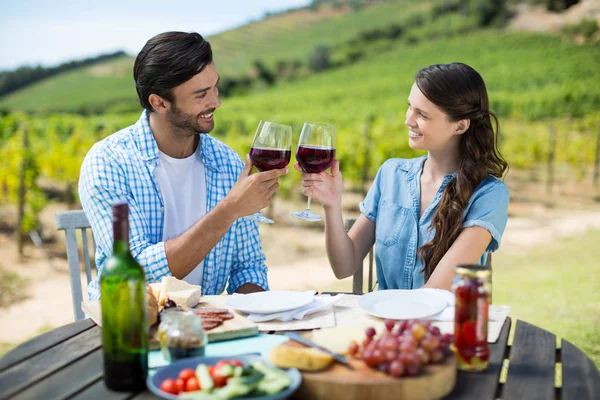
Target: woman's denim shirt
column 393, row 203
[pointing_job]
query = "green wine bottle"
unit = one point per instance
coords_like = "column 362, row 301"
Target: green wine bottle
column 124, row 326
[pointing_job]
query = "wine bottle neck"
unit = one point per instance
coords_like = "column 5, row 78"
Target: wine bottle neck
column 121, row 236
column 121, row 228
column 120, row 247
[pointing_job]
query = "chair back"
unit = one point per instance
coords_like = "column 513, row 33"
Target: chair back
column 71, row 222
column 357, row 279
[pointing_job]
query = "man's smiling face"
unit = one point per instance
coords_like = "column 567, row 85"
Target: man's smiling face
column 194, row 102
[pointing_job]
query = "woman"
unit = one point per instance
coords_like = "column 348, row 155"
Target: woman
column 426, row 214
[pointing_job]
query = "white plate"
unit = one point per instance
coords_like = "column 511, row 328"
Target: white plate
column 270, row 302
column 402, row 304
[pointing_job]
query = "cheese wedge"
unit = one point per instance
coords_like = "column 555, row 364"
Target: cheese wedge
column 182, row 293
column 187, row 298
column 338, row 338
column 303, row 358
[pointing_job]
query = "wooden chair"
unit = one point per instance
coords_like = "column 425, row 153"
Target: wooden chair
column 70, row 222
column 357, row 279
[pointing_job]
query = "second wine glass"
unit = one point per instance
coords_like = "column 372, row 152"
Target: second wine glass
column 271, row 149
column 315, row 153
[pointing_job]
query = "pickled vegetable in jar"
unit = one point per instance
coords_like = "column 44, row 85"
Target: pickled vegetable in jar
column 181, row 335
column 472, row 289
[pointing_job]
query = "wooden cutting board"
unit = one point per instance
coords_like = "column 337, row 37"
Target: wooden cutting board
column 339, row 382
column 236, row 327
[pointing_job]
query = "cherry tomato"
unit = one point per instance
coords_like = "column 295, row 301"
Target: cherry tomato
column 169, row 386
column 192, row 384
column 236, row 363
column 180, row 383
column 221, row 363
column 211, row 370
column 462, row 294
column 187, row 374
column 219, row 380
column 469, row 333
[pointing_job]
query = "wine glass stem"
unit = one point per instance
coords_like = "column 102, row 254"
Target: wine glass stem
column 308, row 203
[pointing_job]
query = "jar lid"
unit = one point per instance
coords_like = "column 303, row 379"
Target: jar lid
column 473, row 270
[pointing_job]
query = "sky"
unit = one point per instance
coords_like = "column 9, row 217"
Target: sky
column 50, row 32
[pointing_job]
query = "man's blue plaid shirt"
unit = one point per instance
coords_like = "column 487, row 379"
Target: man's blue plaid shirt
column 120, row 168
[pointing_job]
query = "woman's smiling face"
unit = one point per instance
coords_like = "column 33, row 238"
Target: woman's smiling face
column 429, row 128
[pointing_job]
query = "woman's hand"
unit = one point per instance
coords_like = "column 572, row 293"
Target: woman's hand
column 326, row 188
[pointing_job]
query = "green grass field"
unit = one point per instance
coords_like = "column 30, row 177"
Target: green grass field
column 556, row 287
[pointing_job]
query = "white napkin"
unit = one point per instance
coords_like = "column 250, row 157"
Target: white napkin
column 319, row 303
column 447, row 314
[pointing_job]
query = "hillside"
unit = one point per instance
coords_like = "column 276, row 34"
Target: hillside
column 108, row 87
column 520, row 85
column 293, row 35
column 539, row 85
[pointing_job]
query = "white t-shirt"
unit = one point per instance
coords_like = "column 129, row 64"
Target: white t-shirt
column 183, row 186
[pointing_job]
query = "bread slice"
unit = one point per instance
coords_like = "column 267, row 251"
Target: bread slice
column 156, row 286
column 303, row 358
column 151, row 306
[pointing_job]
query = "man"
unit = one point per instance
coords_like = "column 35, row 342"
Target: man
column 185, row 198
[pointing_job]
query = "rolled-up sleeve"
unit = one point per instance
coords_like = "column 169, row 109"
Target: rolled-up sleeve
column 369, row 206
column 103, row 183
column 489, row 210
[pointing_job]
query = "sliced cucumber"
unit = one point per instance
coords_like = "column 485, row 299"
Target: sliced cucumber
column 203, row 375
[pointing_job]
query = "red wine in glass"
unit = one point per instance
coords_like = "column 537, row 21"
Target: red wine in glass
column 270, row 149
column 315, row 153
column 268, row 159
column 315, row 159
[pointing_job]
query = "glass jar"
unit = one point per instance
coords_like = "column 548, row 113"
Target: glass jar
column 181, row 335
column 472, row 289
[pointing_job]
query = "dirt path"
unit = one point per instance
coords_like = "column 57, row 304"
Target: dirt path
column 296, row 258
column 537, row 18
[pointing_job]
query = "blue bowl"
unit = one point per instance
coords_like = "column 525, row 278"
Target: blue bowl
column 172, row 371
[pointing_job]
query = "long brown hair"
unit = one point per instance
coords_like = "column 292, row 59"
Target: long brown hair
column 459, row 91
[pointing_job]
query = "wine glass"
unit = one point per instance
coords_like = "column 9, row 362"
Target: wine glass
column 271, row 149
column 315, row 153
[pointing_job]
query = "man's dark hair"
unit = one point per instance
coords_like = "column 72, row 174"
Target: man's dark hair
column 168, row 60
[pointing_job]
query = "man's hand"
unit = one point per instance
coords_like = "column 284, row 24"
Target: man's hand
column 252, row 192
column 249, row 288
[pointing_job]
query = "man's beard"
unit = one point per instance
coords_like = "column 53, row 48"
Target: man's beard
column 188, row 123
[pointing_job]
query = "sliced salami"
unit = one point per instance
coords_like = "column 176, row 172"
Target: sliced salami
column 207, row 325
column 212, row 319
column 227, row 316
column 211, row 311
column 208, row 314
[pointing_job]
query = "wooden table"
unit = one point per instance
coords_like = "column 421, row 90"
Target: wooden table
column 67, row 363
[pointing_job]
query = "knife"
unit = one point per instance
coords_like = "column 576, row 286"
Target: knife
column 300, row 339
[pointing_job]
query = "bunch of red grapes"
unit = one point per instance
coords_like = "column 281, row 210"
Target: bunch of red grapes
column 404, row 348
